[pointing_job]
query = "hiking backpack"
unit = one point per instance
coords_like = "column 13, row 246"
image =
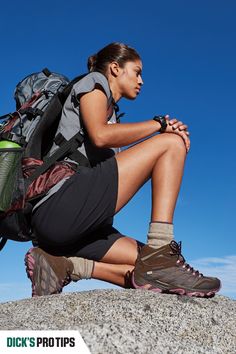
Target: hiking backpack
column 27, row 171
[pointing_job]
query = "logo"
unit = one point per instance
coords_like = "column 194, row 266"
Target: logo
column 33, row 341
column 43, row 342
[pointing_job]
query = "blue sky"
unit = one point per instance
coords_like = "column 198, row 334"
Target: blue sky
column 189, row 54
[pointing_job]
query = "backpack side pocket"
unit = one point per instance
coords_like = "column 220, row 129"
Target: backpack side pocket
column 11, row 179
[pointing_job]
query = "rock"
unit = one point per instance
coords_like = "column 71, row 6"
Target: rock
column 131, row 321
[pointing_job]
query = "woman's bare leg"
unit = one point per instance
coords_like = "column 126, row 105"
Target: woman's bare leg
column 123, row 251
column 160, row 158
column 117, row 274
column 163, row 269
column 117, row 264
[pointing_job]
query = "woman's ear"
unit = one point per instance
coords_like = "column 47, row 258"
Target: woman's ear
column 114, row 68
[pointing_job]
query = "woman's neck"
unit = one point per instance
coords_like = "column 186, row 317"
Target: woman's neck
column 114, row 89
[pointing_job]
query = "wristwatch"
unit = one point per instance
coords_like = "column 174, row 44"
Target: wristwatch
column 162, row 121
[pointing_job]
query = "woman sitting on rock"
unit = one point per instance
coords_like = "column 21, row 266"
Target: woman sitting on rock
column 73, row 222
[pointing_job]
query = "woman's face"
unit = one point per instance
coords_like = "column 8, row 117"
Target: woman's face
column 130, row 80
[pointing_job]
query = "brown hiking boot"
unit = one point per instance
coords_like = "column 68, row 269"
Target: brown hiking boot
column 48, row 274
column 164, row 270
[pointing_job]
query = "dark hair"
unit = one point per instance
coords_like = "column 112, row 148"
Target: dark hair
column 119, row 52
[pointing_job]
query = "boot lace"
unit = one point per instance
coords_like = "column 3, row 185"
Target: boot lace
column 176, row 250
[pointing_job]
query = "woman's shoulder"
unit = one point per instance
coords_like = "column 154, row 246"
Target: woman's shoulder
column 90, row 81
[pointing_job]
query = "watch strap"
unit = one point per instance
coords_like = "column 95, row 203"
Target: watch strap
column 162, row 121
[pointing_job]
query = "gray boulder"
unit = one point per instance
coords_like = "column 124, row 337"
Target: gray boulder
column 131, row 321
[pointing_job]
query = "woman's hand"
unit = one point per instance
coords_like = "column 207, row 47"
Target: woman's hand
column 177, row 127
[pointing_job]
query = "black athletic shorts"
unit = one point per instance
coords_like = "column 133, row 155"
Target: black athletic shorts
column 77, row 219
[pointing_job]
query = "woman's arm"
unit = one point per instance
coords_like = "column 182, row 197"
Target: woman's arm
column 93, row 108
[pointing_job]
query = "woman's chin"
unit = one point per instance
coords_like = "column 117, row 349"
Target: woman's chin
column 131, row 97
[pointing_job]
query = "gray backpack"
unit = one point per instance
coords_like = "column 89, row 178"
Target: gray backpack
column 26, row 137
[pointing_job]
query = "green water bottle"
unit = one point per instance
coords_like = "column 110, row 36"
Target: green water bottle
column 6, row 144
column 10, row 163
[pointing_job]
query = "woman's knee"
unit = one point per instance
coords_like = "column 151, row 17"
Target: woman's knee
column 174, row 142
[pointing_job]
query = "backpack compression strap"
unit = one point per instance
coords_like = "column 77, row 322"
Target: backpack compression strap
column 74, row 155
column 69, row 146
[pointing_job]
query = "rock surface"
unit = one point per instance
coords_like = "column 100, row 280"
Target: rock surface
column 131, row 321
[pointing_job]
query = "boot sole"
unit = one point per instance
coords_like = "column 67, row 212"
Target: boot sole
column 177, row 291
column 43, row 278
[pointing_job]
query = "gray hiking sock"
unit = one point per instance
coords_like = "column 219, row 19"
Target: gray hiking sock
column 83, row 268
column 159, row 234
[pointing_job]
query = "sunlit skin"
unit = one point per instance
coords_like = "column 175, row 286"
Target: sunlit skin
column 160, row 158
column 126, row 81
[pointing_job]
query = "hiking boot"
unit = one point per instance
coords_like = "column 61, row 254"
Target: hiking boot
column 48, row 274
column 164, row 270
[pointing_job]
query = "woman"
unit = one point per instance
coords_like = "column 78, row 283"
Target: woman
column 75, row 218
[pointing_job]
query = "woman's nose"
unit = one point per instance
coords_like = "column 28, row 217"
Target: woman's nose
column 140, row 80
